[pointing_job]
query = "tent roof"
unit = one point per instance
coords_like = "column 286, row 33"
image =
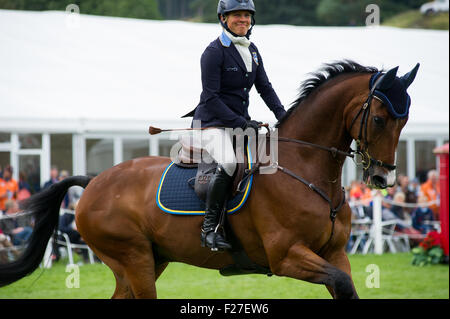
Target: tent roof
column 128, row 71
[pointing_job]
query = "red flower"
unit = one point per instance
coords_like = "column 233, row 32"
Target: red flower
column 436, row 238
column 433, row 239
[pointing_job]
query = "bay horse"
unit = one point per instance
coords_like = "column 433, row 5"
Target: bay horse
column 284, row 225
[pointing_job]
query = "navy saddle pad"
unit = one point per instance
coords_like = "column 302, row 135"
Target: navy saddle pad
column 175, row 196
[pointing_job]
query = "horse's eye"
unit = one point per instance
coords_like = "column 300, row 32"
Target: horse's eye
column 379, row 121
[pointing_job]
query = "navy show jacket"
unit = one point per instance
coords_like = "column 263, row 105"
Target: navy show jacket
column 226, row 86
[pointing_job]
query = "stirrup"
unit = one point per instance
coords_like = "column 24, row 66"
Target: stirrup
column 217, row 235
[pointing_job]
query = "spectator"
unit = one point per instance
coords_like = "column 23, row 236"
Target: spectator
column 422, row 214
column 389, row 196
column 355, row 191
column 431, row 190
column 415, row 186
column 8, row 187
column 398, row 210
column 406, row 188
column 54, row 177
column 63, row 175
column 67, row 225
column 5, row 247
column 19, row 229
column 24, row 187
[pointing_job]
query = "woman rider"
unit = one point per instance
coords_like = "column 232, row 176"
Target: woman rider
column 230, row 66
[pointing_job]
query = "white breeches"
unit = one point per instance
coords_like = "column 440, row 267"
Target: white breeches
column 219, row 144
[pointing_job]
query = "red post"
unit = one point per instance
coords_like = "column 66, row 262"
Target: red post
column 442, row 153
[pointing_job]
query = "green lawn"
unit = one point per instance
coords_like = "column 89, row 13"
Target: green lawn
column 398, row 279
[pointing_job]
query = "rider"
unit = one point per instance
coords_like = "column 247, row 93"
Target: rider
column 230, row 66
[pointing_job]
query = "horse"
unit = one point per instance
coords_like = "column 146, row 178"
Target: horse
column 285, row 226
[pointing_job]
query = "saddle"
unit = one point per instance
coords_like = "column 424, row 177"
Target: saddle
column 175, row 196
column 191, row 156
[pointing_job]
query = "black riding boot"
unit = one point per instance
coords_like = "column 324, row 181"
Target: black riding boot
column 218, row 190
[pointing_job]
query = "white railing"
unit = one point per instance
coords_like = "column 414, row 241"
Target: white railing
column 376, row 224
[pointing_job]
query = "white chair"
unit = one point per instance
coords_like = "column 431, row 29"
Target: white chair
column 70, row 246
column 360, row 231
column 402, row 240
column 387, row 230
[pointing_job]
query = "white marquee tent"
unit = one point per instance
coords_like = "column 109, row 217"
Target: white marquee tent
column 140, row 71
column 65, row 73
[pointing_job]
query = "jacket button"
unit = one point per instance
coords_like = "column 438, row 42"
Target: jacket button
column 243, row 102
column 246, row 75
column 245, row 89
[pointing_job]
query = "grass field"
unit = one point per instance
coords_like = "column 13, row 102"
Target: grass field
column 398, row 280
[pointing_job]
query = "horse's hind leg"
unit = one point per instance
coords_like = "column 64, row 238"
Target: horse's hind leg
column 140, row 273
column 301, row 263
column 123, row 290
column 133, row 267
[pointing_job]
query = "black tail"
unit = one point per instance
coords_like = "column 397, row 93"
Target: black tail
column 44, row 206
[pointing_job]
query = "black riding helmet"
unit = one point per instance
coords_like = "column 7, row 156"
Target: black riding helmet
column 226, row 6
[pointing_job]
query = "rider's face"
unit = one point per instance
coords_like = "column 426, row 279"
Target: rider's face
column 239, row 22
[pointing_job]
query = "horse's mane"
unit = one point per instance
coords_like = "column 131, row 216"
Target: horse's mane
column 327, row 72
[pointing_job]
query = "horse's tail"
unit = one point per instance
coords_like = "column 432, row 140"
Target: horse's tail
column 44, row 206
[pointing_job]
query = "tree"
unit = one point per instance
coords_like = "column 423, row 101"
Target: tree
column 342, row 12
column 143, row 9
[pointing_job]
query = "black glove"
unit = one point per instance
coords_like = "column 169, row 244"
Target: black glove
column 253, row 124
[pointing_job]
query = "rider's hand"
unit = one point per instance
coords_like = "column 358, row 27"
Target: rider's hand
column 253, row 124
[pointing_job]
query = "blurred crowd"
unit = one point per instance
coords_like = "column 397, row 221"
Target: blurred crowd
column 415, row 206
column 412, row 205
column 16, row 228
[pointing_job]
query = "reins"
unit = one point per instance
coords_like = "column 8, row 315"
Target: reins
column 361, row 153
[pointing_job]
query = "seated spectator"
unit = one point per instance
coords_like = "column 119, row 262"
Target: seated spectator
column 24, row 188
column 355, row 191
column 415, row 186
column 431, row 190
column 395, row 212
column 18, row 228
column 406, row 188
column 63, row 175
column 422, row 214
column 8, row 187
column 5, row 247
column 389, row 196
column 398, row 209
column 67, row 225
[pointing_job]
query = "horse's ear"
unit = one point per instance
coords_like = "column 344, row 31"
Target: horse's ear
column 388, row 79
column 409, row 77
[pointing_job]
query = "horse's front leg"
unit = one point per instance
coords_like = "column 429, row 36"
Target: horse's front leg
column 339, row 259
column 299, row 262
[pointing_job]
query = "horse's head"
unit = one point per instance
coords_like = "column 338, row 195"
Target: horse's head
column 376, row 124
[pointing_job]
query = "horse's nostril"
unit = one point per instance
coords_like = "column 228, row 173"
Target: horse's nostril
column 379, row 181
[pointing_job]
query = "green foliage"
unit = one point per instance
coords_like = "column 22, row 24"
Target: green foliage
column 142, row 9
column 293, row 12
column 414, row 19
column 423, row 257
column 205, row 10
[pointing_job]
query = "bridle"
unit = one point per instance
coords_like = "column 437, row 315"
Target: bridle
column 360, row 156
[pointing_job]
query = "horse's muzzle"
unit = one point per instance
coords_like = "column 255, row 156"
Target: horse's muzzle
column 380, row 178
